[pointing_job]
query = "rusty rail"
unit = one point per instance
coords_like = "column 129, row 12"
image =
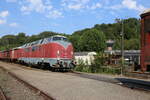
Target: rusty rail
column 35, row 89
column 2, row 95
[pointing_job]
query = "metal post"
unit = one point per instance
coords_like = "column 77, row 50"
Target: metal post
column 122, row 43
column 122, row 47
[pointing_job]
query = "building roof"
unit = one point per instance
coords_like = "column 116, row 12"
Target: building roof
column 126, row 52
column 81, row 53
column 145, row 13
column 116, row 52
column 84, row 53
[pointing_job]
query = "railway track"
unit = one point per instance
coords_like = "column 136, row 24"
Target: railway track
column 36, row 90
column 125, row 82
column 2, row 95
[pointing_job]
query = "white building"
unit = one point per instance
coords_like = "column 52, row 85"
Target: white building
column 86, row 57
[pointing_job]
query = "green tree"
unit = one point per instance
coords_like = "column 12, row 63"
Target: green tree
column 46, row 34
column 21, row 38
column 132, row 44
column 92, row 40
column 75, row 41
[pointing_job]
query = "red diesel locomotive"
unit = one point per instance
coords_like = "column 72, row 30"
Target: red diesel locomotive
column 145, row 41
column 55, row 52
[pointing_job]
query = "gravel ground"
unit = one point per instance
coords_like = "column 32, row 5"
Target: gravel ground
column 14, row 90
column 68, row 87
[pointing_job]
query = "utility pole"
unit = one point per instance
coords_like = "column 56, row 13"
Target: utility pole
column 122, row 43
column 122, row 46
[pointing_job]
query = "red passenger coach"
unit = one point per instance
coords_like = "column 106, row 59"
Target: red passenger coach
column 0, row 54
column 145, row 41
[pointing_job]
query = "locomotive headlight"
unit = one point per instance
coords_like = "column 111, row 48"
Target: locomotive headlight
column 58, row 55
column 58, row 52
column 71, row 53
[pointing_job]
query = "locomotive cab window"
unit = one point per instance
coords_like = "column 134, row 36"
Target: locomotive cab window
column 147, row 25
column 60, row 39
column 65, row 39
column 57, row 38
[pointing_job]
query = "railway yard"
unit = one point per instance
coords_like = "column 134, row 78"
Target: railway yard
column 35, row 84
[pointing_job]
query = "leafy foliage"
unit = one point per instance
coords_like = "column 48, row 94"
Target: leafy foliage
column 89, row 39
column 92, row 40
column 131, row 28
column 97, row 66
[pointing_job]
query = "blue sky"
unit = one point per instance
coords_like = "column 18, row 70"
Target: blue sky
column 65, row 16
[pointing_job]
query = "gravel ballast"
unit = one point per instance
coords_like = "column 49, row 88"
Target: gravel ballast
column 15, row 90
column 63, row 86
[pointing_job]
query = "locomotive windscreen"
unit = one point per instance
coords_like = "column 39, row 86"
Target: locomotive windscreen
column 147, row 25
column 56, row 38
column 65, row 39
column 60, row 38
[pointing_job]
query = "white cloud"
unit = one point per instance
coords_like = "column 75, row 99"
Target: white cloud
column 129, row 4
column 2, row 21
column 80, row 4
column 36, row 5
column 116, row 7
column 4, row 14
column 42, row 7
column 54, row 14
column 75, row 4
column 13, row 24
column 11, row 0
column 132, row 4
column 95, row 6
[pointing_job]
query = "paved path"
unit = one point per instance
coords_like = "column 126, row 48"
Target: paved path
column 68, row 87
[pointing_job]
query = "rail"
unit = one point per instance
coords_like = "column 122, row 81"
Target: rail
column 2, row 95
column 35, row 89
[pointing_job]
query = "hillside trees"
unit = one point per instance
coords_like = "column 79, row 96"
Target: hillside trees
column 89, row 39
column 21, row 38
column 7, row 42
column 131, row 33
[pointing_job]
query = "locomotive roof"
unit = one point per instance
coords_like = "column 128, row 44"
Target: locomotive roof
column 145, row 13
column 41, row 41
column 58, row 36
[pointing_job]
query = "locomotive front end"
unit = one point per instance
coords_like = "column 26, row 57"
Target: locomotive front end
column 62, row 52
